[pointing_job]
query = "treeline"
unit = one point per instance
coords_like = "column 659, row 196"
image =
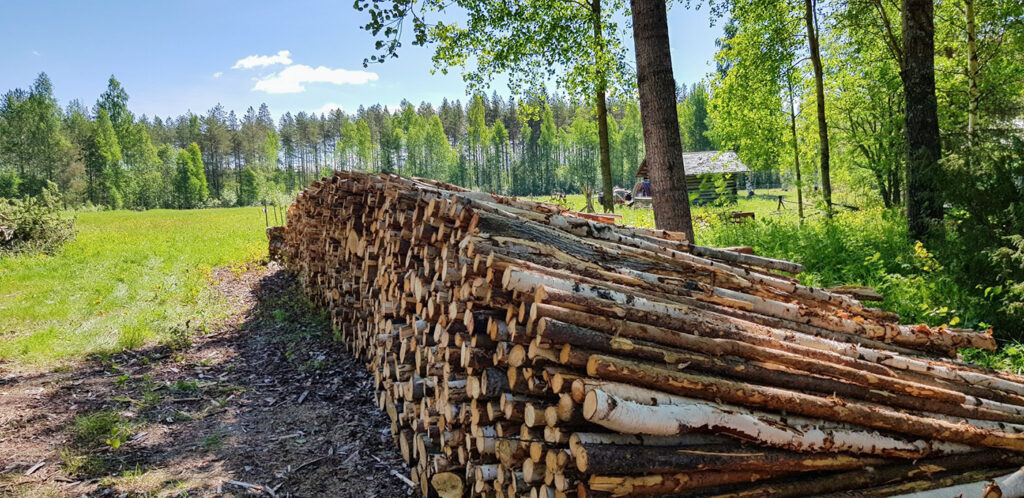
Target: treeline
column 106, row 156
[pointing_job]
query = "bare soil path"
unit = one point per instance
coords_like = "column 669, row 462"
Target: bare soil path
column 265, row 403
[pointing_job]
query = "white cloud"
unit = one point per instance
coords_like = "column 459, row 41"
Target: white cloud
column 292, row 78
column 282, row 57
column 218, row 74
column 35, row 52
column 328, row 107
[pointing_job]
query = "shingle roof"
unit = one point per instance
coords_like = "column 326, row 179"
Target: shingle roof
column 709, row 161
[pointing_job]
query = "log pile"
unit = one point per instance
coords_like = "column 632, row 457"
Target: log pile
column 520, row 349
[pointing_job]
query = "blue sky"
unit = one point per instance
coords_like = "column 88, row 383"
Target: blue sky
column 189, row 55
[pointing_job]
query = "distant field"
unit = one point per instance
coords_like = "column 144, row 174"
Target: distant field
column 128, row 277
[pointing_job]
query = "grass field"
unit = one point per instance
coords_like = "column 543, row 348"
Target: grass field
column 128, row 278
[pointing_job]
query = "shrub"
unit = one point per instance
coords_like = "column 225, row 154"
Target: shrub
column 35, row 224
column 870, row 247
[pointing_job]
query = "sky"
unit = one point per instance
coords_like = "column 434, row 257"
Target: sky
column 188, row 55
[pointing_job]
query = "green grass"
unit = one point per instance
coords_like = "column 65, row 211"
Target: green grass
column 129, row 278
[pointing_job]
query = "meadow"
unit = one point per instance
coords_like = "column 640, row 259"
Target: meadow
column 128, row 278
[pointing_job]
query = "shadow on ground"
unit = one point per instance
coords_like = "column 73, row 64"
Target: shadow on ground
column 264, row 403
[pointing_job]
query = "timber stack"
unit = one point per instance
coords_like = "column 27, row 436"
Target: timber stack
column 521, row 349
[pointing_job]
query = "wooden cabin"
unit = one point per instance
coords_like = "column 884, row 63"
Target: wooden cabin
column 703, row 169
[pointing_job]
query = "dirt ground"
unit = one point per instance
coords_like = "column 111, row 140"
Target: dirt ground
column 264, row 403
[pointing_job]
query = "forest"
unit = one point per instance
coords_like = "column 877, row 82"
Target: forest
column 106, row 156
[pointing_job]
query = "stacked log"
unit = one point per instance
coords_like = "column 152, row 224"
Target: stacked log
column 520, row 349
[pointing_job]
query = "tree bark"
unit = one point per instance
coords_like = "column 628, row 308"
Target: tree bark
column 658, row 114
column 819, row 88
column 738, row 360
column 881, row 418
column 682, row 415
column 877, row 476
column 621, row 459
column 972, row 72
column 796, row 154
column 673, row 483
column 924, row 197
column 602, row 110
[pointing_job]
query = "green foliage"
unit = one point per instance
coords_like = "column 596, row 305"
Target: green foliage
column 868, row 247
column 190, row 187
column 103, row 163
column 30, row 140
column 35, row 224
column 985, row 246
column 248, row 187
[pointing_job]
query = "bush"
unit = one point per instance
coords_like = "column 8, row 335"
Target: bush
column 870, row 247
column 35, row 224
column 9, row 184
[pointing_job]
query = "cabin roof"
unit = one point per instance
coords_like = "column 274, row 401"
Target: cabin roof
column 709, row 161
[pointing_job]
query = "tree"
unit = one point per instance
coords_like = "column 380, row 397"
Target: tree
column 528, row 40
column 30, row 135
column 693, row 119
column 547, row 142
column 810, row 18
column 114, row 100
column 658, row 113
column 248, row 187
column 477, row 134
column 756, row 62
column 103, row 164
column 190, row 188
column 924, row 196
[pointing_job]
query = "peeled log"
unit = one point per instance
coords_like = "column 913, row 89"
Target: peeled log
column 877, row 417
column 778, row 431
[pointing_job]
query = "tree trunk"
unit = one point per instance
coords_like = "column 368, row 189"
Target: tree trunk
column 769, row 398
column 671, row 483
column 883, row 189
column 796, row 154
column 602, row 111
column 972, row 73
column 819, row 88
column 679, row 415
column 924, row 199
column 658, row 114
column 621, row 459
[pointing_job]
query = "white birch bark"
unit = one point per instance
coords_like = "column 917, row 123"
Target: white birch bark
column 786, row 432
